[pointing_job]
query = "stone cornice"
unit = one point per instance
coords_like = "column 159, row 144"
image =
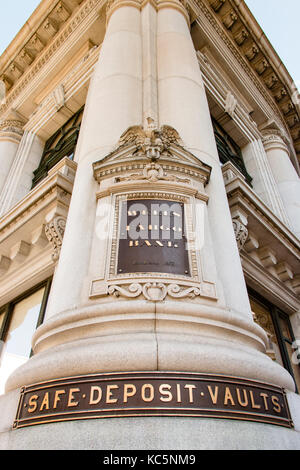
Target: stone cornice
column 239, row 29
column 46, row 30
column 58, row 32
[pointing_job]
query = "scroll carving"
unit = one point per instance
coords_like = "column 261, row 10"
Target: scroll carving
column 154, row 291
column 55, row 232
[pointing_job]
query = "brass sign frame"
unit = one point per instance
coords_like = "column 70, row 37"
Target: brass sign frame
column 141, row 394
column 162, row 250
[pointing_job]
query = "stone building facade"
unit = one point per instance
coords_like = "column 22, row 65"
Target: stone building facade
column 149, row 230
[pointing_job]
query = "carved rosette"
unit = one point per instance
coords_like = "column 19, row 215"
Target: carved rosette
column 241, row 233
column 55, row 232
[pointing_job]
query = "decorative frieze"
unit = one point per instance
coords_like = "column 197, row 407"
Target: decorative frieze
column 158, row 291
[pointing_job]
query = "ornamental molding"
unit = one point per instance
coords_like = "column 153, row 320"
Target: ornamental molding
column 154, row 155
column 153, row 172
column 154, row 290
column 158, row 291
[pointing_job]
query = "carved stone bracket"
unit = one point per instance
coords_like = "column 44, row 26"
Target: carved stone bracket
column 55, row 232
column 241, row 233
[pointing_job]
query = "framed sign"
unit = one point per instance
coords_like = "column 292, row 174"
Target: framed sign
column 152, row 237
column 131, row 394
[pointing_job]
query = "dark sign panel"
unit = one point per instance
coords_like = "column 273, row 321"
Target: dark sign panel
column 152, row 238
column 152, row 394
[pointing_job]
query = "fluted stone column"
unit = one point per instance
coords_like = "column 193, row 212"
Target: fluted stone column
column 263, row 181
column 285, row 175
column 183, row 105
column 90, row 331
column 10, row 136
column 153, row 336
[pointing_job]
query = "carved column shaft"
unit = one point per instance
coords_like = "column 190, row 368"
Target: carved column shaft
column 183, row 105
column 285, row 175
column 107, row 311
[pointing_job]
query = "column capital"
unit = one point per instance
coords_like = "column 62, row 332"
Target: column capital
column 11, row 130
column 272, row 139
column 180, row 5
column 113, row 5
